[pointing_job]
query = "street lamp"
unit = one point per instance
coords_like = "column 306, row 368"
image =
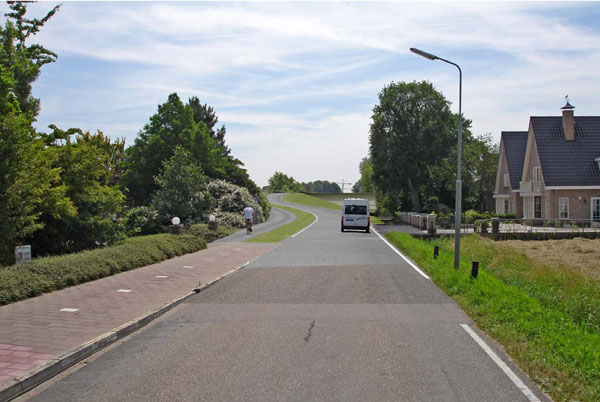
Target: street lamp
column 458, row 181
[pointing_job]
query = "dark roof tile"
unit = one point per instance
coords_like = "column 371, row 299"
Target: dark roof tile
column 568, row 163
column 515, row 145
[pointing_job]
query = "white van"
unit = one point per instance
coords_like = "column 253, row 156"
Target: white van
column 356, row 214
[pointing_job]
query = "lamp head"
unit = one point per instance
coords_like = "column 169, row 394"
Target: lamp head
column 423, row 54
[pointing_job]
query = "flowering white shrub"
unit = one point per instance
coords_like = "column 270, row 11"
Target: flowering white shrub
column 231, row 201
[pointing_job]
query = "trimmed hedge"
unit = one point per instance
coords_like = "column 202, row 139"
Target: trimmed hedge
column 202, row 230
column 43, row 275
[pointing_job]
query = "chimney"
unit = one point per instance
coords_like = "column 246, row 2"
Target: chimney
column 568, row 120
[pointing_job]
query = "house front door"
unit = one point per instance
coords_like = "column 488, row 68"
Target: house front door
column 595, row 212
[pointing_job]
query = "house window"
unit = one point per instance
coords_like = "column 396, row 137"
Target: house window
column 595, row 204
column 537, row 204
column 537, row 178
column 528, row 207
column 506, row 206
column 563, row 208
column 506, row 180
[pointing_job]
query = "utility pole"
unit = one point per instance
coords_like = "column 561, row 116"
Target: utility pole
column 343, row 183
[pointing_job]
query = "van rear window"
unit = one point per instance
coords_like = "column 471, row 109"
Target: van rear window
column 355, row 210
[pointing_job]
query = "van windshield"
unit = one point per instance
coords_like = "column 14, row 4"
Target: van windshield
column 355, row 210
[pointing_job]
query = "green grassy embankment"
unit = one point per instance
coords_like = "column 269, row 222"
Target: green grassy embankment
column 303, row 219
column 546, row 317
column 315, row 201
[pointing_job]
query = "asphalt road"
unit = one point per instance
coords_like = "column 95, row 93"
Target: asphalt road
column 326, row 316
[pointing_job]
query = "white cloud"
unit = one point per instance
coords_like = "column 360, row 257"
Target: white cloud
column 297, row 81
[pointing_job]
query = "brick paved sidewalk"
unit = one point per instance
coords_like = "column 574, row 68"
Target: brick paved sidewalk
column 36, row 330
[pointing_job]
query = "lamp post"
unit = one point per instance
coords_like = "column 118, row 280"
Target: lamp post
column 458, row 181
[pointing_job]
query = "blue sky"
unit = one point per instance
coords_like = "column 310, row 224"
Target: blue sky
column 295, row 83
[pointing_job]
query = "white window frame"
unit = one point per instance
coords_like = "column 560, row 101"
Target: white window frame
column 528, row 207
column 506, row 206
column 536, row 178
column 506, row 180
column 592, row 200
column 563, row 208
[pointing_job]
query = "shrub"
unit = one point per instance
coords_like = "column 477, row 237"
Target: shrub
column 231, row 201
column 141, row 221
column 209, row 235
column 42, row 275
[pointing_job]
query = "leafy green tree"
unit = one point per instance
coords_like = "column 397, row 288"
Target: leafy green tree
column 280, row 182
column 365, row 184
column 29, row 185
column 321, row 186
column 182, row 189
column 412, row 130
column 173, row 125
column 88, row 183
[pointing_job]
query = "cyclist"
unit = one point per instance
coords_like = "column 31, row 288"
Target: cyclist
column 249, row 217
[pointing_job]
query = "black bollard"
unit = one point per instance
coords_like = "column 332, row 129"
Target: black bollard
column 474, row 269
column 436, row 252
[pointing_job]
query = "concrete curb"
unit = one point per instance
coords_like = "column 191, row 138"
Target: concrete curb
column 38, row 375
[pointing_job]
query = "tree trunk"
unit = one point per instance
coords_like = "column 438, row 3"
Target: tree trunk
column 414, row 196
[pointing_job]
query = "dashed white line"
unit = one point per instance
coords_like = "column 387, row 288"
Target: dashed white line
column 401, row 255
column 501, row 364
column 124, row 290
column 316, row 220
column 69, row 310
column 161, row 276
column 188, row 266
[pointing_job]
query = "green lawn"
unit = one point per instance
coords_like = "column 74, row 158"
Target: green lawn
column 546, row 318
column 303, row 219
column 311, row 201
column 317, row 200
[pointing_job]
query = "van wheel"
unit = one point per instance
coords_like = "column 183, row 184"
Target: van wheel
column 342, row 228
column 368, row 230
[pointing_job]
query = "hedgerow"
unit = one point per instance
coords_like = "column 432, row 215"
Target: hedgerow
column 43, row 275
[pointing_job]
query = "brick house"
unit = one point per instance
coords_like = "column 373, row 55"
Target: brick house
column 552, row 171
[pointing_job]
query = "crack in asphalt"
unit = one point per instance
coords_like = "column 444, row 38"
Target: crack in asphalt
column 307, row 337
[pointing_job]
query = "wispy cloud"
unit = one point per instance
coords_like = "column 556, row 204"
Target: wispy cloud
column 295, row 83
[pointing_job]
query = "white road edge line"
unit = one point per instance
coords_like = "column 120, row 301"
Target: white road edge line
column 401, row 255
column 501, row 364
column 316, row 220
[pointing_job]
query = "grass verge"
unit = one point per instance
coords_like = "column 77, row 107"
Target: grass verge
column 548, row 321
column 310, row 201
column 47, row 274
column 303, row 219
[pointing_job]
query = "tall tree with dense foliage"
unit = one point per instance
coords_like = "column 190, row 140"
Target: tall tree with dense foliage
column 365, row 184
column 173, row 125
column 29, row 186
column 412, row 129
column 86, row 165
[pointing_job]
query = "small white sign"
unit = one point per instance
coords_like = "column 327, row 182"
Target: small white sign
column 22, row 254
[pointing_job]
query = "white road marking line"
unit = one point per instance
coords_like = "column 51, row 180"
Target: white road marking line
column 161, row 276
column 501, row 364
column 69, row 310
column 316, row 220
column 124, row 290
column 188, row 266
column 401, row 255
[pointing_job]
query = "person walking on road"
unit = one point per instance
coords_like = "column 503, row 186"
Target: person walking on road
column 249, row 217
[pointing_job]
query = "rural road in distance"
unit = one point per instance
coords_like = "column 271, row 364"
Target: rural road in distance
column 325, row 316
